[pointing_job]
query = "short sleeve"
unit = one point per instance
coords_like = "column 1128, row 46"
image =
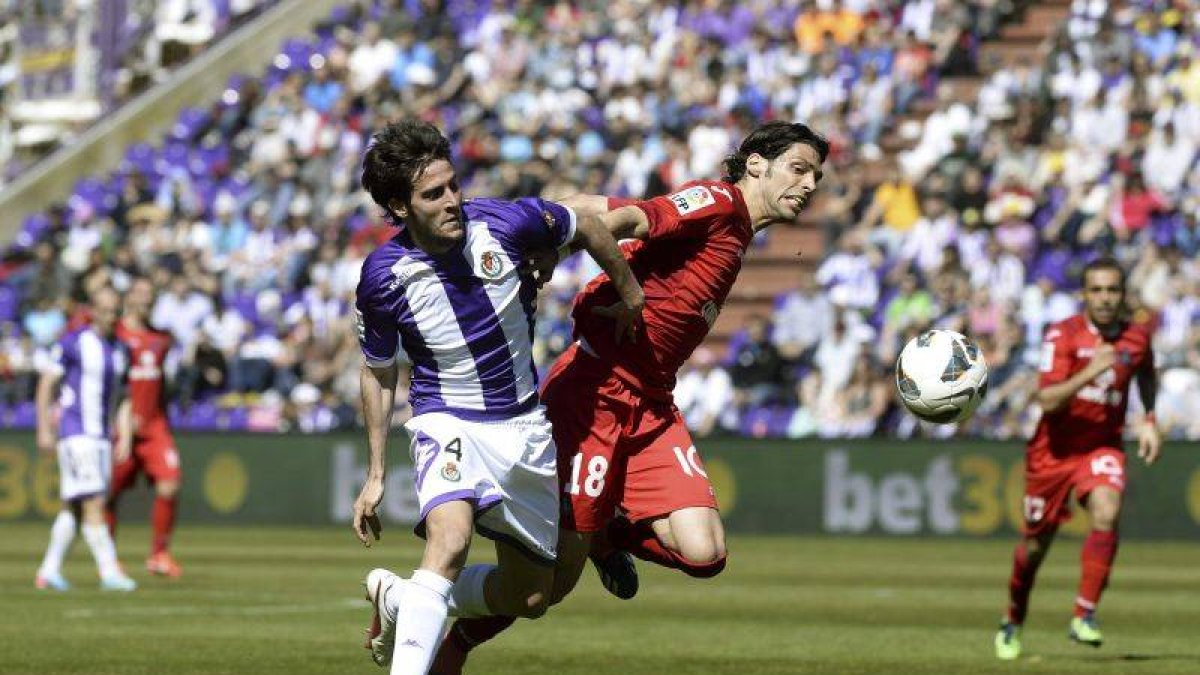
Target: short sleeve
column 378, row 331
column 687, row 213
column 60, row 355
column 1055, row 360
column 543, row 224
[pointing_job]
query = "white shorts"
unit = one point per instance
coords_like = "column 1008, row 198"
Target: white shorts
column 507, row 469
column 84, row 467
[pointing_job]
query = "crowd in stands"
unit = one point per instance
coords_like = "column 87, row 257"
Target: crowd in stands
column 132, row 45
column 250, row 218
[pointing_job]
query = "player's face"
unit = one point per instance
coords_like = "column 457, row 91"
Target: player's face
column 1103, row 294
column 104, row 311
column 140, row 298
column 434, row 215
column 790, row 180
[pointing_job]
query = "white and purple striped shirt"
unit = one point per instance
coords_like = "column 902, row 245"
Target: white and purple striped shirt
column 93, row 371
column 463, row 318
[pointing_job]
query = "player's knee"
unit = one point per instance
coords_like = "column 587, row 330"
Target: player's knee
column 535, row 604
column 448, row 547
column 166, row 489
column 702, row 550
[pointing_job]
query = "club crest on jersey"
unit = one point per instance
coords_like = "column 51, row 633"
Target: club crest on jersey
column 692, row 199
column 1125, row 357
column 451, row 473
column 490, row 264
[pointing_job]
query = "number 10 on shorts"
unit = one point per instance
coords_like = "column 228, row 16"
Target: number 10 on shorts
column 593, row 483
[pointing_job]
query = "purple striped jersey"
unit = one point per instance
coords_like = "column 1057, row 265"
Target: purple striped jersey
column 464, row 318
column 93, row 371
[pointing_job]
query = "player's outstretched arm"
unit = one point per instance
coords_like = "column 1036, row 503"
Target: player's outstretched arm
column 598, row 240
column 1149, row 436
column 378, row 399
column 46, row 389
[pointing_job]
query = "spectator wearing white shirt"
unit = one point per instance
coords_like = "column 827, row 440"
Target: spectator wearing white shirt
column 371, row 59
column 836, row 355
column 181, row 310
column 933, row 232
column 802, row 317
column 1168, row 159
column 1000, row 271
column 848, row 275
column 704, row 395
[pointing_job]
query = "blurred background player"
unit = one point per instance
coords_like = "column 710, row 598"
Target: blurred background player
column 446, row 304
column 623, row 445
column 1087, row 364
column 90, row 364
column 153, row 451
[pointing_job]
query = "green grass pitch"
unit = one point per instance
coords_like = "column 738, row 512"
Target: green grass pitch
column 287, row 600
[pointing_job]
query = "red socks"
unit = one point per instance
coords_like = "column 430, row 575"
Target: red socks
column 162, row 520
column 639, row 539
column 1020, row 584
column 466, row 634
column 1099, row 550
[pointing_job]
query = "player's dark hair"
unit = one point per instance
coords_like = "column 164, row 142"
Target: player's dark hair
column 1105, row 262
column 397, row 157
column 772, row 140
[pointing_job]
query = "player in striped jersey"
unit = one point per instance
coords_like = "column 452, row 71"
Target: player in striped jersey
column 90, row 364
column 445, row 305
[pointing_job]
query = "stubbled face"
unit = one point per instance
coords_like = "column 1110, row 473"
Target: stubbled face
column 434, row 216
column 1103, row 296
column 788, row 181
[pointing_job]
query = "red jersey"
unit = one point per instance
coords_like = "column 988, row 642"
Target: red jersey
column 148, row 349
column 686, row 267
column 1095, row 416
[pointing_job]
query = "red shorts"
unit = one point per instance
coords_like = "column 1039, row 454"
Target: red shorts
column 1048, row 489
column 617, row 448
column 154, row 456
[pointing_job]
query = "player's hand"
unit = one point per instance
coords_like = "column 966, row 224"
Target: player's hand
column 539, row 265
column 365, row 516
column 1149, row 442
column 627, row 315
column 1103, row 358
column 45, row 440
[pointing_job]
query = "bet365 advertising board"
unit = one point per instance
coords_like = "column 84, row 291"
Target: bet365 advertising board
column 907, row 488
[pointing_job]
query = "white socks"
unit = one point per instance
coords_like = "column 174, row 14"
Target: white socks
column 467, row 598
column 103, row 551
column 62, row 533
column 419, row 621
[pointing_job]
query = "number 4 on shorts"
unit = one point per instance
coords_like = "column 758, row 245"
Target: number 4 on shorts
column 454, row 447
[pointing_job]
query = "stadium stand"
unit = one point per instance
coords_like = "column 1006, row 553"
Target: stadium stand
column 65, row 63
column 982, row 152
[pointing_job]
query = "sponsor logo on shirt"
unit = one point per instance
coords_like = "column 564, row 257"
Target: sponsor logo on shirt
column 692, row 199
column 146, row 369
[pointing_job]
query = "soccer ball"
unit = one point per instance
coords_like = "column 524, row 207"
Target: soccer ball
column 941, row 376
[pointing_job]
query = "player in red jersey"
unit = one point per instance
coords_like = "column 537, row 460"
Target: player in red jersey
column 1088, row 362
column 153, row 445
column 623, row 445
